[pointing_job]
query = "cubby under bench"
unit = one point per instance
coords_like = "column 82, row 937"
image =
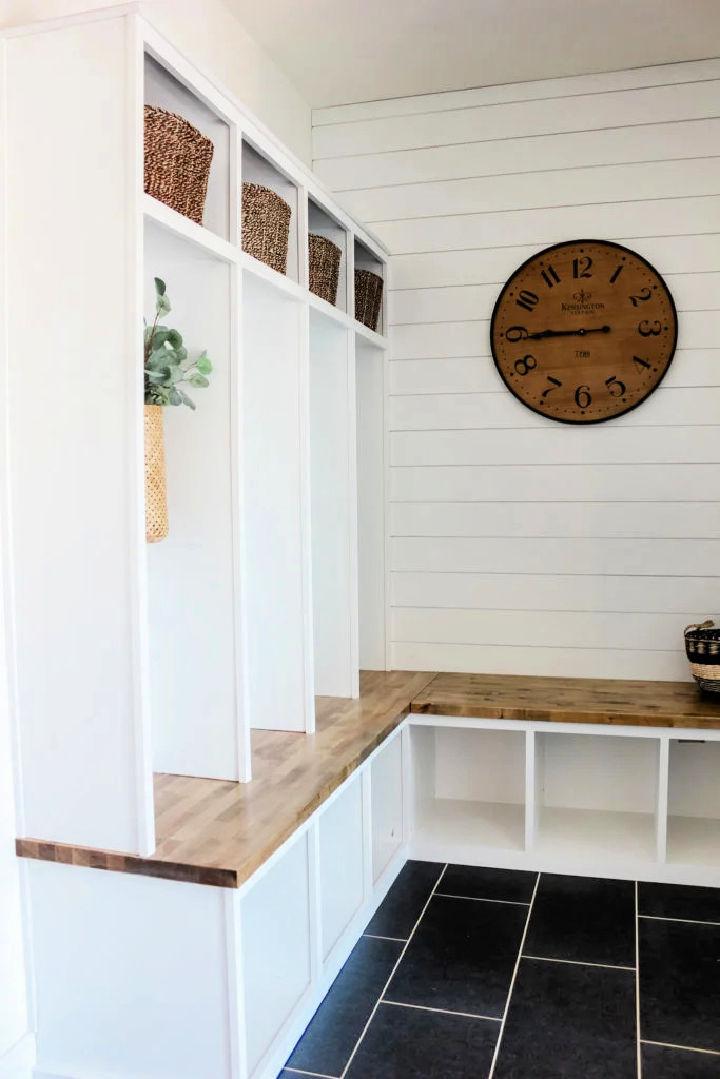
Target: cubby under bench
column 209, row 957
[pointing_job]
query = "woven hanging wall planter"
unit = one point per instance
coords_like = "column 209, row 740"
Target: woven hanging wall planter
column 368, row 298
column 156, row 511
column 265, row 225
column 324, row 267
column 702, row 648
column 177, row 162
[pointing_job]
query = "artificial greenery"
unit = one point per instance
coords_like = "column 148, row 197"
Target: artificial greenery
column 167, row 364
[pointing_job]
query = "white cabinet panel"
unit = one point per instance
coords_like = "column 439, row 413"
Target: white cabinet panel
column 387, row 805
column 275, row 931
column 341, row 863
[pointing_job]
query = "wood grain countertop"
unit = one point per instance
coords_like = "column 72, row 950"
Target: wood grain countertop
column 215, row 832
column 568, row 700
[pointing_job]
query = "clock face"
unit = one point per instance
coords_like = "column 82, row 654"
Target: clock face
column 583, row 331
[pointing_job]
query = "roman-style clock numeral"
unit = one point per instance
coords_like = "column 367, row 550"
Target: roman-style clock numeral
column 528, row 300
column 581, row 266
column 617, row 273
column 641, row 363
column 550, row 276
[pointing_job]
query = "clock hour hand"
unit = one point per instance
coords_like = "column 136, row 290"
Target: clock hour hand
column 567, row 333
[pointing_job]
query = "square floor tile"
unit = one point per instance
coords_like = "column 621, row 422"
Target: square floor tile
column 477, row 882
column 680, row 983
column 408, row 1043
column 569, row 1021
column 402, row 906
column 583, row 919
column 679, row 901
column 326, row 1045
column 661, row 1062
column 461, row 957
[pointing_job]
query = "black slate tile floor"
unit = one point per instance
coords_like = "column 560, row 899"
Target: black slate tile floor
column 474, row 973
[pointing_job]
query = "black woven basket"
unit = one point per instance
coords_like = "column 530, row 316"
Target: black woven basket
column 702, row 648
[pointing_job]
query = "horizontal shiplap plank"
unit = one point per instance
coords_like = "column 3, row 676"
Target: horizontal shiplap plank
column 518, row 554
column 682, row 101
column 697, row 329
column 440, row 269
column 562, row 629
column 691, row 292
column 556, row 483
column 600, row 520
column 556, row 444
column 470, row 411
column 685, row 596
column 478, row 374
column 523, row 191
column 566, row 86
column 652, row 142
column 652, row 217
column 579, row 662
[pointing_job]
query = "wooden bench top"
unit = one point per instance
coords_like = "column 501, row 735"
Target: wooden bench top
column 215, row 832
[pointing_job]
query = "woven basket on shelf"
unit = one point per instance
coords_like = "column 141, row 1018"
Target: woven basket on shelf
column 368, row 297
column 265, row 225
column 702, row 648
column 177, row 162
column 156, row 512
column 324, row 267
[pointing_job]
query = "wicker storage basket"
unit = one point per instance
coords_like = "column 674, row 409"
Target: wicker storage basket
column 265, row 225
column 702, row 648
column 156, row 513
column 177, row 162
column 368, row 298
column 324, row 267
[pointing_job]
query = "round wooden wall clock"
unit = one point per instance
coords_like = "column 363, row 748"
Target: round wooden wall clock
column 584, row 331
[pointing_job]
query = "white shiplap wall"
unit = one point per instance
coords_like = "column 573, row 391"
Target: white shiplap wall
column 518, row 544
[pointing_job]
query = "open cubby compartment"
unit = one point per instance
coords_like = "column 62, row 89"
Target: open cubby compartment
column 322, row 223
column 469, row 791
column 257, row 169
column 596, row 795
column 333, row 508
column 365, row 259
column 275, row 527
column 165, row 91
column 370, row 425
column 693, row 831
column 193, row 643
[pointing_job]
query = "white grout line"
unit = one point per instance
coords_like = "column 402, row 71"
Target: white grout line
column 637, row 983
column 683, row 921
column 315, row 1075
column 512, row 981
column 687, row 1048
column 480, row 899
column 439, row 1011
column 576, row 963
column 392, row 972
column 376, row 936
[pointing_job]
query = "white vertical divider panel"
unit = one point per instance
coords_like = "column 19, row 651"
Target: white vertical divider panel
column 661, row 812
column 305, row 506
column 531, row 791
column 367, row 838
column 369, row 375
column 78, row 647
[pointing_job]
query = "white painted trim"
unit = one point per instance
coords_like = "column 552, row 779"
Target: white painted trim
column 18, row 1062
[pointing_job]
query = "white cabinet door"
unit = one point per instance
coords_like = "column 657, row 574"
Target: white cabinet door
column 387, row 805
column 341, row 863
column 275, row 933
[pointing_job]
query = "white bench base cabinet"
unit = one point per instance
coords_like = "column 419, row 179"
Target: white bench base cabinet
column 155, row 979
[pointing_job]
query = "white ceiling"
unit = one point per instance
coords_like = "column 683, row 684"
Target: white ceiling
column 338, row 51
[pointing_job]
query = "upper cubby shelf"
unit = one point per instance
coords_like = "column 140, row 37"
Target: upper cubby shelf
column 270, row 204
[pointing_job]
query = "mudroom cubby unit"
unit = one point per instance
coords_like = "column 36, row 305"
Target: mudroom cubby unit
column 149, row 660
column 693, row 802
column 164, row 91
column 596, row 797
column 322, row 223
column 469, row 791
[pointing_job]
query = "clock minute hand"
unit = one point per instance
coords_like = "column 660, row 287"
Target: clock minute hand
column 567, row 333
